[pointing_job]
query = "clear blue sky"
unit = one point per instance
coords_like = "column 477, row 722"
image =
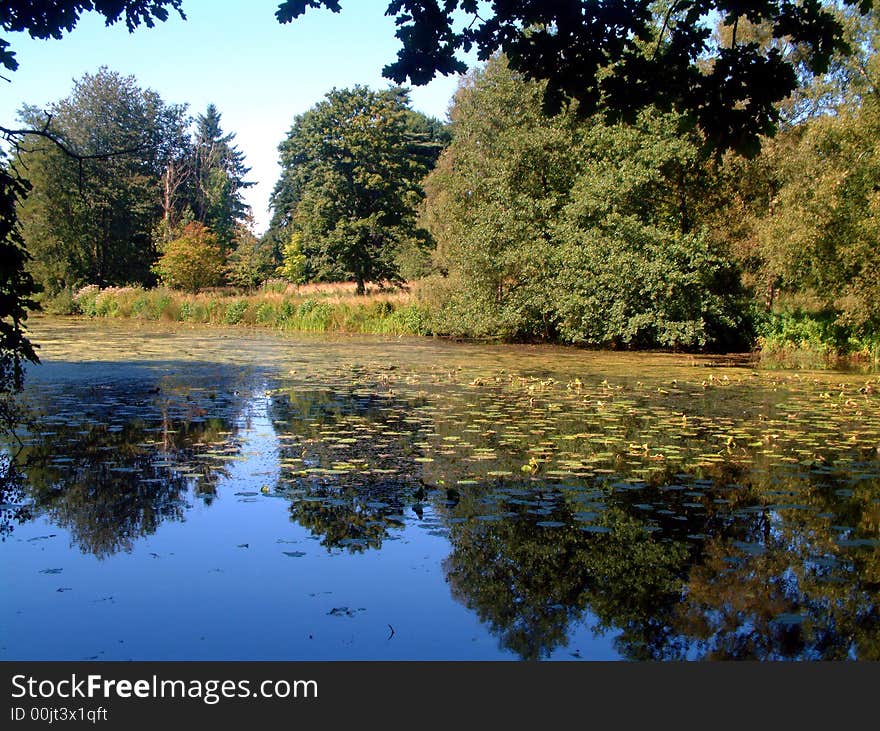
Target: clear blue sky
column 234, row 53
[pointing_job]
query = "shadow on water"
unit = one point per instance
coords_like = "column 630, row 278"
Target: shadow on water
column 695, row 517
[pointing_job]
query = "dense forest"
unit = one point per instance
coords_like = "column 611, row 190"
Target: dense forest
column 513, row 220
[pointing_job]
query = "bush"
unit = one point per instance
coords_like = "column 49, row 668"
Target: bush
column 63, row 303
column 638, row 285
column 266, row 313
column 85, row 299
column 192, row 262
column 235, row 312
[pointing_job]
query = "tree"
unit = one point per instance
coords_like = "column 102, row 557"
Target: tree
column 349, row 184
column 579, row 230
column 51, row 18
column 293, row 261
column 91, row 221
column 17, row 289
column 625, row 56
column 219, row 178
column 801, row 219
column 821, row 235
column 192, row 262
column 251, row 261
column 491, row 203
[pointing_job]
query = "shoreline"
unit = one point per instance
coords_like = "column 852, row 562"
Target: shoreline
column 333, row 310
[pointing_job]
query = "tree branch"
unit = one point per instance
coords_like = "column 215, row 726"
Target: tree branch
column 10, row 134
column 13, row 136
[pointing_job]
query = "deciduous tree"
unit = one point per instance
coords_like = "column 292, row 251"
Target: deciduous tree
column 92, row 221
column 350, row 178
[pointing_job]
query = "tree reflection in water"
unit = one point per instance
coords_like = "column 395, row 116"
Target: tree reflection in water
column 114, row 464
column 744, row 554
column 676, row 566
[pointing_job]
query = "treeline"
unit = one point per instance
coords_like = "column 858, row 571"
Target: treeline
column 517, row 224
column 131, row 190
column 121, row 178
column 621, row 232
column 637, row 234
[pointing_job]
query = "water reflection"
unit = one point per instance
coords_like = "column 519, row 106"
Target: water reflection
column 675, row 562
column 346, row 466
column 530, row 578
column 14, row 506
column 111, row 462
column 685, row 517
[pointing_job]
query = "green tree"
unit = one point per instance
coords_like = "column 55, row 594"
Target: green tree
column 492, row 202
column 251, row 261
column 635, row 262
column 293, row 261
column 589, row 232
column 801, row 218
column 193, row 261
column 350, row 184
column 17, row 289
column 822, row 233
column 219, row 178
column 91, row 220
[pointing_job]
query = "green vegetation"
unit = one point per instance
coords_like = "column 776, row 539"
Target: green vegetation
column 193, row 261
column 307, row 309
column 17, row 289
column 524, row 218
column 583, row 232
column 139, row 182
column 349, row 186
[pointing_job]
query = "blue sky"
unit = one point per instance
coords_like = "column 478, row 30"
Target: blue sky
column 259, row 73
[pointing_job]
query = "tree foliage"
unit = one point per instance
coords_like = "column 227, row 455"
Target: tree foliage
column 625, row 56
column 91, row 221
column 219, row 178
column 52, row 19
column 351, row 168
column 579, row 230
column 250, row 262
column 17, row 287
column 820, row 232
column 129, row 178
column 193, row 261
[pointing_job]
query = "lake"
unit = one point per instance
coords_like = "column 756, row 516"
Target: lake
column 233, row 494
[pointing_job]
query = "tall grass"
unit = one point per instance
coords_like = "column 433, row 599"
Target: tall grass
column 314, row 308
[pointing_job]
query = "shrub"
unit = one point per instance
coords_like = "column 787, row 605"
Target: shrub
column 235, row 312
column 192, row 262
column 85, row 299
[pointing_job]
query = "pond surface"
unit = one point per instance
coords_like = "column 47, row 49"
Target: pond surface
column 231, row 494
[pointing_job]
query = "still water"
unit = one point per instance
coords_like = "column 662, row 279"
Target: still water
column 231, row 494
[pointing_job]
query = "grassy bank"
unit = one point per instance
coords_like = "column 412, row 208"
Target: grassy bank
column 789, row 337
column 310, row 308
